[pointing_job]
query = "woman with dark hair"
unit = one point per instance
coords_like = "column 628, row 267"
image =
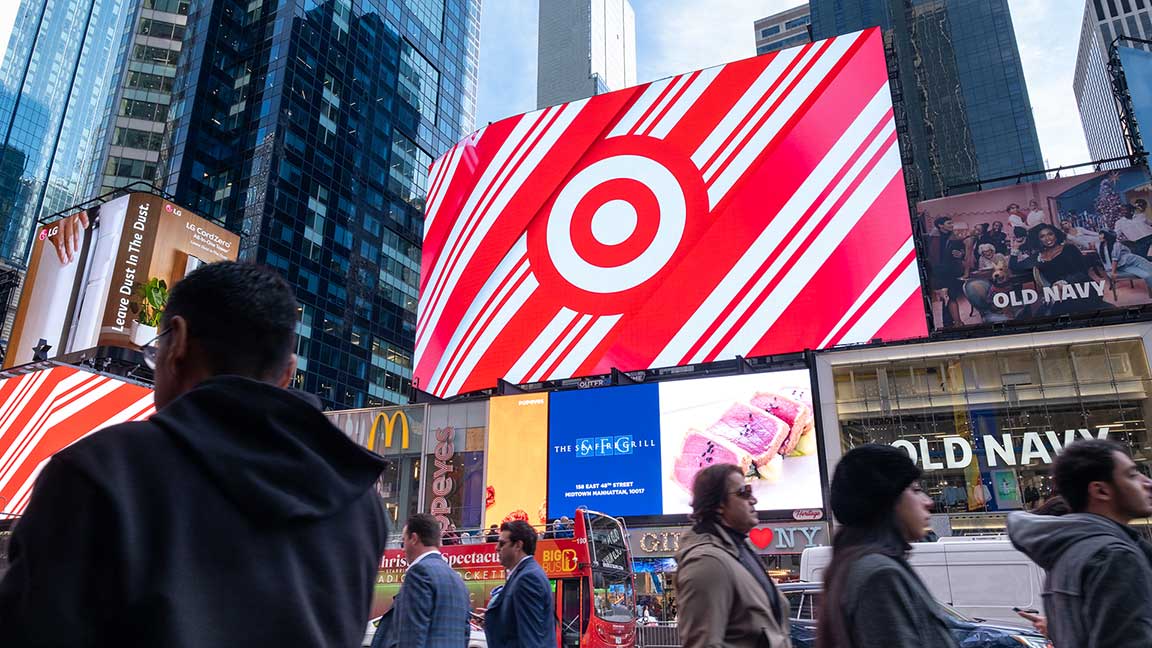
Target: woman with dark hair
column 1121, row 263
column 723, row 592
column 1059, row 262
column 871, row 595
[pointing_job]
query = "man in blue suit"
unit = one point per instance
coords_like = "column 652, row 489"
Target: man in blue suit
column 431, row 610
column 520, row 614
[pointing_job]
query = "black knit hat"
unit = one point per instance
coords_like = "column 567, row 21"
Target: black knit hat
column 868, row 481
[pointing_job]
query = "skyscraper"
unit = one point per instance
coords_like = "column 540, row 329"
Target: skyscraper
column 1103, row 23
column 586, row 47
column 788, row 28
column 962, row 107
column 54, row 85
column 135, row 118
column 309, row 127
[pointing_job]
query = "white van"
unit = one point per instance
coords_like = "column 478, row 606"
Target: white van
column 983, row 577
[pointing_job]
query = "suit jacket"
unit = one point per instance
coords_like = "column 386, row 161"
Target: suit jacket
column 432, row 608
column 522, row 614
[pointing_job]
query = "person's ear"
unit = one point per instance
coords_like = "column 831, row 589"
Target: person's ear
column 176, row 347
column 1101, row 490
column 289, row 373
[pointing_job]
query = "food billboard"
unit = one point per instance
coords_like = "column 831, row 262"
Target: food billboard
column 101, row 276
column 1064, row 246
column 634, row 450
column 748, row 209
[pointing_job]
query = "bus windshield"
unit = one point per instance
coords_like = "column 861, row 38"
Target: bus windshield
column 614, row 597
column 615, row 600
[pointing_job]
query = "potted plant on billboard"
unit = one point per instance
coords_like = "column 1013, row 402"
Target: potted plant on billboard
column 153, row 297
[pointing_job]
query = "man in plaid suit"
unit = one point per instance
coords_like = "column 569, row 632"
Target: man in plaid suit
column 431, row 610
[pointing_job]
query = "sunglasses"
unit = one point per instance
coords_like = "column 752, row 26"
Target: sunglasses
column 151, row 348
column 743, row 493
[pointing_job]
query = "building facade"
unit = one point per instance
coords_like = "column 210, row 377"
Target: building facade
column 586, row 47
column 136, row 117
column 1104, row 21
column 962, row 108
column 786, row 29
column 309, row 127
column 54, row 85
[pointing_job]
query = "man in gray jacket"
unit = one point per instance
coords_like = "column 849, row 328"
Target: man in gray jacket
column 1099, row 588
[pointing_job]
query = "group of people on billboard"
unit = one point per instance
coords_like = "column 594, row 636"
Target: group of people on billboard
column 1058, row 247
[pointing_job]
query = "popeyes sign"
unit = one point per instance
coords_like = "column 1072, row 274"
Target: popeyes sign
column 442, row 482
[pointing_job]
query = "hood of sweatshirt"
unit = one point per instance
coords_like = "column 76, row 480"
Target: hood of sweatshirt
column 1045, row 538
column 271, row 450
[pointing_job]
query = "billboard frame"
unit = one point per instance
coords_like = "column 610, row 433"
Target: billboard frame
column 1127, row 112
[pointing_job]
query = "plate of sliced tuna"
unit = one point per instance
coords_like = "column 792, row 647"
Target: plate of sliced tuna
column 767, row 430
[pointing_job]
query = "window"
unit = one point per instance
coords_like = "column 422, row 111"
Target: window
column 160, row 29
column 158, row 55
column 145, row 81
column 430, row 13
column 419, row 82
column 408, row 174
column 769, row 31
column 135, row 169
column 797, row 22
column 137, row 109
column 138, row 139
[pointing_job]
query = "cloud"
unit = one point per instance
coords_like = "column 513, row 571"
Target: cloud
column 1048, row 37
column 677, row 36
column 507, row 75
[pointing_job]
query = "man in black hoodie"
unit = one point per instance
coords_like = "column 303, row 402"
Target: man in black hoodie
column 1098, row 593
column 238, row 515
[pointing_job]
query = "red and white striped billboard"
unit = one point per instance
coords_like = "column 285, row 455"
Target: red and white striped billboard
column 747, row 209
column 45, row 411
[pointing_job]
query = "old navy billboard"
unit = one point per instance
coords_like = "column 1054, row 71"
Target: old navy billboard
column 1059, row 247
column 748, row 209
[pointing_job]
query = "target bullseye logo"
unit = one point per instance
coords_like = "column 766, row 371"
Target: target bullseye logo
column 616, row 224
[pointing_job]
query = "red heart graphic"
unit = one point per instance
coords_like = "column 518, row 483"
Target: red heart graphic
column 761, row 537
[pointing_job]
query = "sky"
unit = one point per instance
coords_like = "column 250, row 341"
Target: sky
column 675, row 36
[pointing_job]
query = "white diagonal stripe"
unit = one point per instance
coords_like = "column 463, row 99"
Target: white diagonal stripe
column 773, row 235
column 908, row 283
column 792, row 247
column 746, row 103
column 648, row 121
column 511, row 269
column 510, row 149
column 813, row 257
column 686, row 101
column 628, row 122
column 889, row 268
column 447, row 166
column 515, row 302
column 495, row 208
column 532, row 354
column 584, row 347
column 560, row 348
column 742, row 156
column 30, row 386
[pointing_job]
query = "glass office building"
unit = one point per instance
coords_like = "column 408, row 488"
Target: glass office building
column 309, row 127
column 962, row 106
column 54, row 85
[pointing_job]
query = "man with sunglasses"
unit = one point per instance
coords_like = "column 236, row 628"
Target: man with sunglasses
column 520, row 614
column 237, row 515
column 725, row 597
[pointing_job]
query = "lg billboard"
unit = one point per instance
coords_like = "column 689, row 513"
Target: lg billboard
column 100, row 277
column 748, row 209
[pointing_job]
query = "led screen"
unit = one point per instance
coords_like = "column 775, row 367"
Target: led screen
column 635, row 450
column 1137, row 65
column 1043, row 249
column 748, row 209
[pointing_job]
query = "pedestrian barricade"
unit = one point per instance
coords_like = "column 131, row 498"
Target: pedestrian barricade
column 662, row 634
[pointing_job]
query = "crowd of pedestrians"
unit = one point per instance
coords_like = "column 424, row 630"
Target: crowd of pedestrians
column 239, row 515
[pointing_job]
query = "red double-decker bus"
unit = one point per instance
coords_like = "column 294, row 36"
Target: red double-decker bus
column 588, row 564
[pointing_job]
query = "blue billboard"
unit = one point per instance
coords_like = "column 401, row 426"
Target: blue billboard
column 604, row 451
column 1137, row 66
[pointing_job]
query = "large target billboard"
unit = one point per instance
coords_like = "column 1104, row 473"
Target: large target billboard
column 748, row 209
